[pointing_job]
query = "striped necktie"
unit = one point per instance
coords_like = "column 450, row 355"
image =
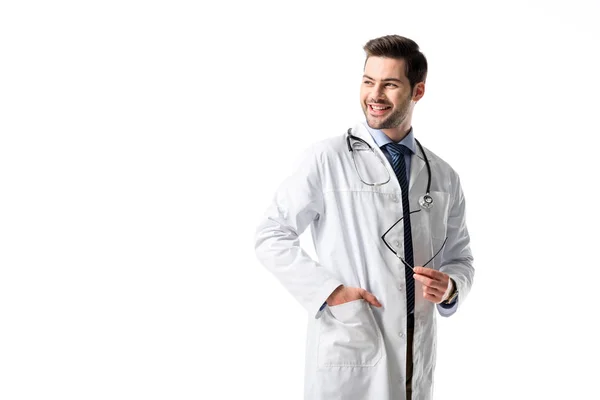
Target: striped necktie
column 397, row 152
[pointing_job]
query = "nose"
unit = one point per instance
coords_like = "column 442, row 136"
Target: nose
column 377, row 92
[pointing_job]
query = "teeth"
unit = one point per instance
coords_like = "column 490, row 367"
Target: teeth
column 379, row 108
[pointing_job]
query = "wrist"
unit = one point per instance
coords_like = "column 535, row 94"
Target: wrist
column 334, row 294
column 453, row 292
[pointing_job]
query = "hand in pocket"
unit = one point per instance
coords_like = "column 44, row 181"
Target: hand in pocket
column 345, row 294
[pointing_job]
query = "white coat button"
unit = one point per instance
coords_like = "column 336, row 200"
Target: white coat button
column 395, row 198
column 401, row 334
column 397, row 243
column 400, row 288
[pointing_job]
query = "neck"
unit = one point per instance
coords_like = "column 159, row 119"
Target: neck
column 398, row 133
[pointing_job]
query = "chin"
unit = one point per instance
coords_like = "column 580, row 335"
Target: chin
column 376, row 124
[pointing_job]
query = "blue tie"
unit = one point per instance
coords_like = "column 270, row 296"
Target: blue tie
column 397, row 151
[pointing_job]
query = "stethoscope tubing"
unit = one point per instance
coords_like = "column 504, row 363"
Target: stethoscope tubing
column 350, row 135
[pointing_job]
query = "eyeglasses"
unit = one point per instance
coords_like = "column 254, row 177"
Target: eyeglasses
column 371, row 169
column 399, row 231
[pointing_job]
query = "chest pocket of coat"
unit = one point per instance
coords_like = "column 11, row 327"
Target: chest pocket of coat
column 438, row 226
column 438, row 215
column 349, row 336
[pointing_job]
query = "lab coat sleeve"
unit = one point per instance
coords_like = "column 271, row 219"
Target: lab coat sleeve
column 457, row 260
column 297, row 203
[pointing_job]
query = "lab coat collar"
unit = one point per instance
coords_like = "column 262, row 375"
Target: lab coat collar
column 417, row 163
column 382, row 139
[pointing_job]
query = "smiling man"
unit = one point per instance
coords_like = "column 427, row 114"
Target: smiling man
column 388, row 222
column 386, row 95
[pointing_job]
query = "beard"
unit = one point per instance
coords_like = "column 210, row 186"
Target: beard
column 393, row 120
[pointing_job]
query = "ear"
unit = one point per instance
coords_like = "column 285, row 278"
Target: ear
column 418, row 91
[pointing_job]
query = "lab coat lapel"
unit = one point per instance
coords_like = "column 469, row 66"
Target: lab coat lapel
column 417, row 170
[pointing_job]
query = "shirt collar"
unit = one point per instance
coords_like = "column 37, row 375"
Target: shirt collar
column 381, row 139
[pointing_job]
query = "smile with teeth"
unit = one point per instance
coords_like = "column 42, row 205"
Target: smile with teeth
column 378, row 109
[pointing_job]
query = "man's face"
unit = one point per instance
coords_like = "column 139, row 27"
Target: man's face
column 385, row 93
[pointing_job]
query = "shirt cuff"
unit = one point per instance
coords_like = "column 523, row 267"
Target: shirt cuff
column 449, row 305
column 448, row 290
column 447, row 310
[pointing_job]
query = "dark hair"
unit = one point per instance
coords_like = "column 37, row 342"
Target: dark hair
column 400, row 48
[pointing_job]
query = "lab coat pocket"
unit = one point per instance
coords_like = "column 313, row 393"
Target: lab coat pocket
column 438, row 215
column 437, row 250
column 437, row 218
column 349, row 336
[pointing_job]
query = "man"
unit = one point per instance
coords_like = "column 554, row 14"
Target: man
column 376, row 210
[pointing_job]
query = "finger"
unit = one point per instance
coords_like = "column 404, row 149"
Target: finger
column 432, row 298
column 430, row 282
column 431, row 273
column 371, row 299
column 432, row 291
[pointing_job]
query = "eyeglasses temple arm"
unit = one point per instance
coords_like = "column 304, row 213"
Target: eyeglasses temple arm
column 394, row 251
column 438, row 252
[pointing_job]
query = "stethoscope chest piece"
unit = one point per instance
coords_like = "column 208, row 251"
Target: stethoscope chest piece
column 426, row 201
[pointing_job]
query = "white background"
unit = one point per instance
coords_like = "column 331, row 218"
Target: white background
column 142, row 141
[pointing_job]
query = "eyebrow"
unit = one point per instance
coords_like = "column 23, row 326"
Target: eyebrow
column 384, row 80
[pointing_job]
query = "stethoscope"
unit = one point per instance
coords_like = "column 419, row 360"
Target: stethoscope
column 425, row 201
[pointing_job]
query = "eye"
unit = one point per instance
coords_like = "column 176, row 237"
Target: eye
column 367, row 82
column 391, row 85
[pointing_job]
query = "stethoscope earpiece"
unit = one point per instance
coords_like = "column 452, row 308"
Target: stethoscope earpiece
column 426, row 201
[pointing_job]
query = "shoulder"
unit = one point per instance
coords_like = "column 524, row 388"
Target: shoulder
column 439, row 162
column 327, row 149
column 330, row 145
column 442, row 170
column 316, row 157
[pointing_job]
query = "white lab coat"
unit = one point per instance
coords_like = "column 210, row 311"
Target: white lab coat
column 356, row 351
